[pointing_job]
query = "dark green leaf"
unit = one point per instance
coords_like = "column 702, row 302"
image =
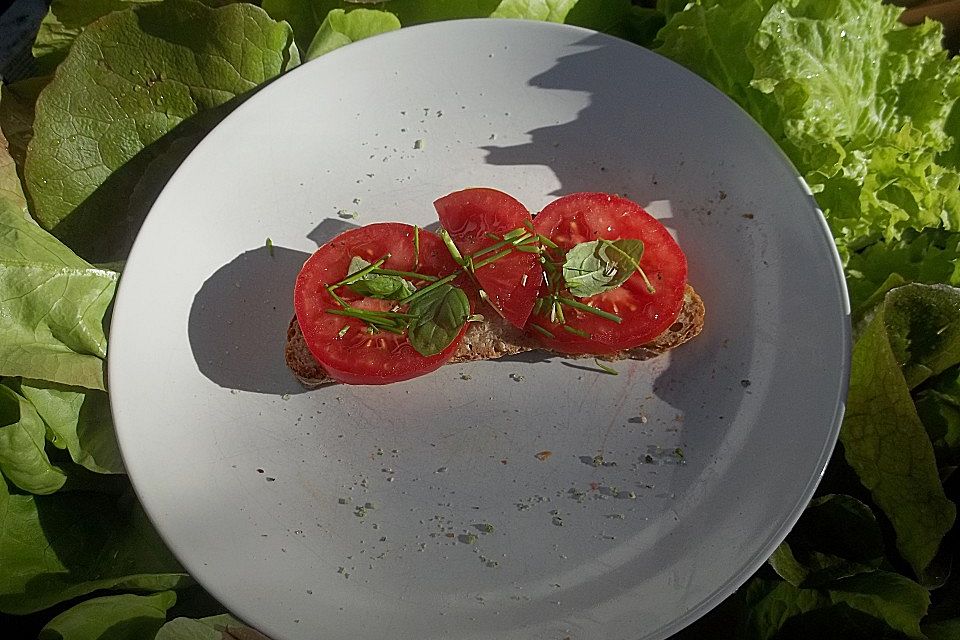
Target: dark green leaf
column 440, row 315
column 943, row 630
column 375, row 285
column 17, row 101
column 923, row 326
column 593, row 267
column 837, row 536
column 120, row 617
column 883, row 439
column 771, row 605
column 938, row 406
column 58, row 547
column 222, row 627
column 900, row 602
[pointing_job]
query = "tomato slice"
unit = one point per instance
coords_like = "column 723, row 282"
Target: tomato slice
column 344, row 346
column 470, row 217
column 584, row 217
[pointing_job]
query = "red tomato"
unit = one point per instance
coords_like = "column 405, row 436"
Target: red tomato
column 511, row 282
column 583, row 217
column 357, row 356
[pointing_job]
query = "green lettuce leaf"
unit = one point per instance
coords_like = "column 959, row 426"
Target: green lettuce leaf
column 938, row 405
column 23, row 458
column 942, row 630
column 119, row 617
column 17, row 101
column 883, row 439
column 10, row 188
column 836, row 537
column 615, row 17
column 303, row 16
column 858, row 102
column 930, row 256
column 54, row 304
column 219, row 627
column 123, row 87
column 548, row 10
column 771, row 604
column 879, row 601
column 64, row 21
column 896, row 600
column 79, row 421
column 58, row 547
column 306, row 16
column 340, row 28
column 412, row 12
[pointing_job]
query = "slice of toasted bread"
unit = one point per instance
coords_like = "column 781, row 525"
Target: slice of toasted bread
column 493, row 337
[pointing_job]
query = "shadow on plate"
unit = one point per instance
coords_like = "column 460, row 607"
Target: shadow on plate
column 239, row 318
column 238, row 321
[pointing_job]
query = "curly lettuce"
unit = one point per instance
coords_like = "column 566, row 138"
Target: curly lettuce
column 858, row 102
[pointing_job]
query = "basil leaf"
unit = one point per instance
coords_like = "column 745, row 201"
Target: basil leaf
column 440, row 314
column 376, row 285
column 600, row 265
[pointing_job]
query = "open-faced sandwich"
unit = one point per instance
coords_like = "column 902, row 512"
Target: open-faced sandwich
column 592, row 274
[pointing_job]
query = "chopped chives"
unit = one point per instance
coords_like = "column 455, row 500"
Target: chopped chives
column 491, row 259
column 605, row 368
column 570, row 302
column 575, row 331
column 541, row 330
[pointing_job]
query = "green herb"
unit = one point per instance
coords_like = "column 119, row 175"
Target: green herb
column 418, row 144
column 570, row 302
column 357, row 270
column 343, row 331
column 606, row 368
column 575, row 331
column 269, row 245
column 540, row 330
column 438, row 318
column 413, row 275
column 593, row 267
column 346, row 214
column 367, row 279
column 489, row 260
column 485, row 527
column 416, row 247
column 451, row 247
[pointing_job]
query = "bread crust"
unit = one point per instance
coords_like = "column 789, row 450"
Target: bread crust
column 493, row 337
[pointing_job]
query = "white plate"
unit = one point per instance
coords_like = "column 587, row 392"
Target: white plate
column 242, row 471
